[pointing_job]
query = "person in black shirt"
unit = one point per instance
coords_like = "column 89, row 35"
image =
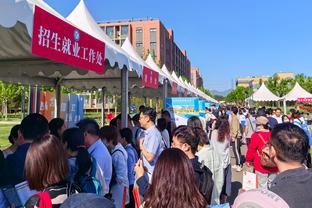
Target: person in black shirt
column 288, row 149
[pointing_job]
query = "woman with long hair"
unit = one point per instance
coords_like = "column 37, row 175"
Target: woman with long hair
column 220, row 141
column 194, row 122
column 208, row 156
column 57, row 127
column 46, row 171
column 170, row 188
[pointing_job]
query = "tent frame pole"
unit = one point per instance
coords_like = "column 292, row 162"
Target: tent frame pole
column 58, row 93
column 103, row 93
column 124, row 97
column 165, row 92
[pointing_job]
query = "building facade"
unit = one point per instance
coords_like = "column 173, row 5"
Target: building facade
column 196, row 79
column 252, row 82
column 150, row 36
column 255, row 82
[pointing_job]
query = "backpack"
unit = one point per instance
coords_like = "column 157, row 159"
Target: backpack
column 206, row 183
column 89, row 183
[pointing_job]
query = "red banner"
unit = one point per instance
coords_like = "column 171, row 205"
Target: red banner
column 150, row 78
column 174, row 88
column 305, row 100
column 59, row 41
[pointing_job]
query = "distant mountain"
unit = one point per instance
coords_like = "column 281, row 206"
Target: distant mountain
column 221, row 93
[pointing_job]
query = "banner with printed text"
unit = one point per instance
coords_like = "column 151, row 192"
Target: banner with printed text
column 59, row 41
column 150, row 78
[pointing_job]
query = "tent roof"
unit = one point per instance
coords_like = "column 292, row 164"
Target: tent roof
column 19, row 65
column 127, row 46
column 297, row 92
column 150, row 61
column 264, row 94
column 82, row 19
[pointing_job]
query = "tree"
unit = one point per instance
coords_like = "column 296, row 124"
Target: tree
column 279, row 87
column 206, row 91
column 8, row 92
column 239, row 95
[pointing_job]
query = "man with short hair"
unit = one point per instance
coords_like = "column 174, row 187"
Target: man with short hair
column 33, row 127
column 272, row 121
column 151, row 143
column 96, row 148
column 288, row 149
column 278, row 115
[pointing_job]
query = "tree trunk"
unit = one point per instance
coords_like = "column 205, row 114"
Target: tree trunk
column 5, row 109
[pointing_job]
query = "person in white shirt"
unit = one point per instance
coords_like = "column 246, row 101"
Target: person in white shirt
column 278, row 115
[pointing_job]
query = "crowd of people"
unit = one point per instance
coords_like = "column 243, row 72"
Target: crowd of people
column 154, row 164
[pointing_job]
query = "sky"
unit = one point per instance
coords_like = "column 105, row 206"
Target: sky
column 226, row 39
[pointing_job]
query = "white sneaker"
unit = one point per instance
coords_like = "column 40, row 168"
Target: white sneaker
column 234, row 166
column 239, row 169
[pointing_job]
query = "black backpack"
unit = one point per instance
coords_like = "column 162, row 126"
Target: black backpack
column 206, row 182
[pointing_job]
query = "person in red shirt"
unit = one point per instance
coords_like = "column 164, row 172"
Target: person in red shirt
column 258, row 140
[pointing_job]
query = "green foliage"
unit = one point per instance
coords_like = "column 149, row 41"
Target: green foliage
column 239, row 95
column 219, row 97
column 281, row 87
column 206, row 91
column 184, row 78
column 278, row 86
column 10, row 96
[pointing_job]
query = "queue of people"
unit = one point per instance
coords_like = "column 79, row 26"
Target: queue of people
column 152, row 163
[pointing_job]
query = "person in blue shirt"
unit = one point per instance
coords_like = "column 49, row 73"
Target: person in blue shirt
column 151, row 142
column 119, row 186
column 96, row 148
column 33, row 127
column 126, row 136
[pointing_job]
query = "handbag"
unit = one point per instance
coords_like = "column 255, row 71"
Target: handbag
column 265, row 159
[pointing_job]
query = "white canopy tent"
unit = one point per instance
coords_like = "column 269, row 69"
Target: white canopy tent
column 19, row 65
column 140, row 90
column 296, row 93
column 264, row 94
column 150, row 61
column 82, row 18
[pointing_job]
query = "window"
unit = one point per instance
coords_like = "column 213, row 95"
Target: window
column 124, row 31
column 139, row 49
column 153, row 41
column 110, row 31
column 139, row 41
column 153, row 49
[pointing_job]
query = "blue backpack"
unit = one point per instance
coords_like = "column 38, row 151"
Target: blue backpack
column 305, row 128
column 89, row 183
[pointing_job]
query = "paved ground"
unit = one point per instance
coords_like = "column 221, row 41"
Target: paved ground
column 237, row 177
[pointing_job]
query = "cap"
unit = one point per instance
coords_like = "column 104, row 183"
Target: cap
column 86, row 200
column 261, row 120
column 259, row 198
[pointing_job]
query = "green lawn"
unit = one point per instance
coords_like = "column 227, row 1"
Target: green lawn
column 4, row 133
